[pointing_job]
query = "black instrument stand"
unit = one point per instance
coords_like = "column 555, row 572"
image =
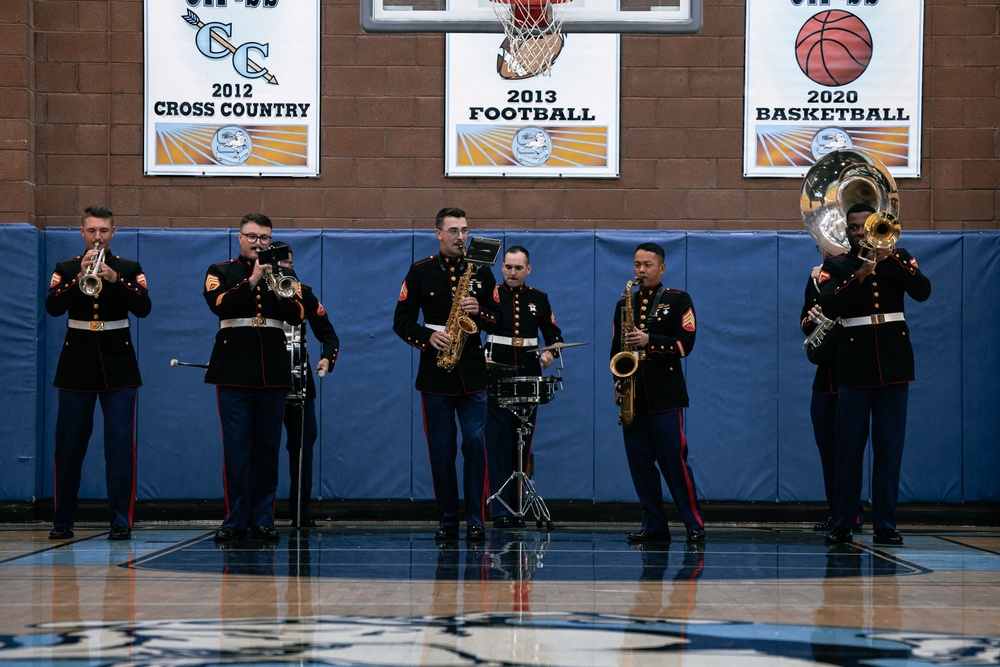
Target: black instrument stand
column 527, row 497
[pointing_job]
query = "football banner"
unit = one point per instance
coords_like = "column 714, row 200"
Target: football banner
column 822, row 76
column 502, row 122
column 232, row 88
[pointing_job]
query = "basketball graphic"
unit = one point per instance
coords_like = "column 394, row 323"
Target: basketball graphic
column 833, row 48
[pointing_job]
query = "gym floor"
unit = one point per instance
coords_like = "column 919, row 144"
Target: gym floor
column 388, row 594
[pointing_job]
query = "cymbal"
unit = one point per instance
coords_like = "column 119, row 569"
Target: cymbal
column 557, row 346
column 497, row 366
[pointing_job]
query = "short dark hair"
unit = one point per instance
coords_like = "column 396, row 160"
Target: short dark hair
column 654, row 248
column 519, row 248
column 258, row 218
column 448, row 213
column 278, row 245
column 102, row 212
column 860, row 207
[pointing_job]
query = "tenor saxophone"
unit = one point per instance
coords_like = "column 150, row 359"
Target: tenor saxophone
column 459, row 325
column 626, row 363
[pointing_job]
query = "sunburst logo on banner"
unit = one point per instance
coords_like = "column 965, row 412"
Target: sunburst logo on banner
column 492, row 145
column 272, row 145
column 802, row 145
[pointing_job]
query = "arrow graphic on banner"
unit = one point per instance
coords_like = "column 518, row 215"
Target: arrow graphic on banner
column 193, row 20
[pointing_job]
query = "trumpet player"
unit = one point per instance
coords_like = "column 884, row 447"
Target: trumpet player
column 662, row 333
column 300, row 416
column 97, row 362
column 823, row 405
column 874, row 366
column 249, row 366
column 432, row 286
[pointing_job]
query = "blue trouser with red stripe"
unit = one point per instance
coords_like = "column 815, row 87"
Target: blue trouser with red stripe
column 659, row 439
column 442, row 445
column 251, row 441
column 74, row 425
column 882, row 410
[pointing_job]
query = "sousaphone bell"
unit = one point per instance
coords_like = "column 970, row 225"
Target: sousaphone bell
column 838, row 181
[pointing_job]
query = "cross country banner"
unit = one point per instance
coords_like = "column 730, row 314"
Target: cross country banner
column 828, row 75
column 507, row 123
column 232, row 88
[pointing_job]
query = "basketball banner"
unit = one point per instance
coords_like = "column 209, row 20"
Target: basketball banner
column 232, row 89
column 832, row 75
column 504, row 121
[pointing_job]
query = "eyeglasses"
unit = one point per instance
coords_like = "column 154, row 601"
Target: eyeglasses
column 253, row 238
column 456, row 231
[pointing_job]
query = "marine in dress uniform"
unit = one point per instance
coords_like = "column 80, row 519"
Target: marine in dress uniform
column 300, row 409
column 97, row 362
column 429, row 287
column 874, row 368
column 251, row 370
column 524, row 311
column 823, row 405
column 665, row 329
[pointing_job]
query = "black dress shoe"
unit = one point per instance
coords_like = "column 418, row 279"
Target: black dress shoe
column 264, row 534
column 697, row 535
column 120, row 533
column 825, row 526
column 648, row 536
column 229, row 534
column 839, row 536
column 475, row 534
column 60, row 534
column 508, row 521
column 446, row 533
column 887, row 536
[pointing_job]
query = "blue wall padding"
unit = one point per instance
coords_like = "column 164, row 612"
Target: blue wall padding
column 750, row 383
column 22, row 373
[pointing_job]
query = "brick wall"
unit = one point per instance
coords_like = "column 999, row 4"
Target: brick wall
column 71, row 75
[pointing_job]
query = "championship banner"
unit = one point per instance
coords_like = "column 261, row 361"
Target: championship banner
column 232, row 88
column 505, row 123
column 826, row 76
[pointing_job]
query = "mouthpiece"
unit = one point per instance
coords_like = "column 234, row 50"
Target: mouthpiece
column 173, row 362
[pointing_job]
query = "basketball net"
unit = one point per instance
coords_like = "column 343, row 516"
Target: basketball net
column 534, row 33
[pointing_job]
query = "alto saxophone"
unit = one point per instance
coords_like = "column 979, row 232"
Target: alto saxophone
column 459, row 325
column 626, row 363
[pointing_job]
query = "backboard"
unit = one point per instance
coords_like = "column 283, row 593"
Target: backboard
column 626, row 16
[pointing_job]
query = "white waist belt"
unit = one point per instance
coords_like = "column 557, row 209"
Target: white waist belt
column 97, row 325
column 878, row 318
column 435, row 327
column 250, row 322
column 514, row 342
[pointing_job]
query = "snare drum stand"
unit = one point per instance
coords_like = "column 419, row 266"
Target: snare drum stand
column 527, row 496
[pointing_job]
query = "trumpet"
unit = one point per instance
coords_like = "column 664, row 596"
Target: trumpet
column 823, row 326
column 91, row 283
column 282, row 285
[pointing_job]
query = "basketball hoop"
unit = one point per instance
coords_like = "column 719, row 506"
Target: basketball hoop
column 534, row 38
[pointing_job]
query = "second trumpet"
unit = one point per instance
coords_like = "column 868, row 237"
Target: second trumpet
column 91, row 283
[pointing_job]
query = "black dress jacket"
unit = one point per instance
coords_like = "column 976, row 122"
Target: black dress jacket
column 668, row 317
column 872, row 355
column 429, row 287
column 98, row 360
column 253, row 357
column 524, row 311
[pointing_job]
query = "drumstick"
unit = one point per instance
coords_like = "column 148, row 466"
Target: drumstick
column 174, row 362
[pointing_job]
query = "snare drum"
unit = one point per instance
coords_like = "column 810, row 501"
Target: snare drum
column 524, row 390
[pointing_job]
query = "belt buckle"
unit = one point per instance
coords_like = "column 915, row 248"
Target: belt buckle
column 878, row 318
column 258, row 320
column 517, row 342
column 97, row 326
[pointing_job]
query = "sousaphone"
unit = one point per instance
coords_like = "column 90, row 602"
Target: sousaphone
column 838, row 181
